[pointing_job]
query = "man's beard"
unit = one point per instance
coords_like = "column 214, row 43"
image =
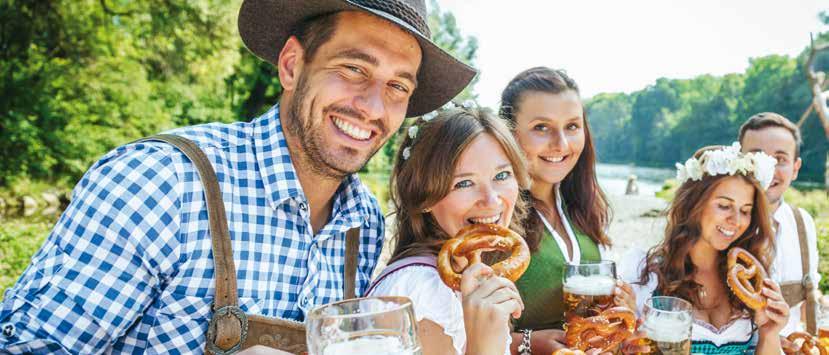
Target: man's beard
column 309, row 133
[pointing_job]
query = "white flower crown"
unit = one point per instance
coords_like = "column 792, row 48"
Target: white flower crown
column 414, row 128
column 728, row 160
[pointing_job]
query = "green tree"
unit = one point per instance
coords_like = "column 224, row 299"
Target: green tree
column 649, row 119
column 447, row 35
column 609, row 118
column 80, row 77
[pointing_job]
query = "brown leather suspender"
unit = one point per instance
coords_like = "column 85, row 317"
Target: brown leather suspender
column 230, row 329
column 808, row 283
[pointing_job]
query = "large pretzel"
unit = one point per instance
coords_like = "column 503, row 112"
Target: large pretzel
column 808, row 346
column 613, row 326
column 823, row 345
column 471, row 241
column 565, row 351
column 745, row 277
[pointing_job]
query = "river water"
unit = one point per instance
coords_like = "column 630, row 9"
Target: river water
column 613, row 178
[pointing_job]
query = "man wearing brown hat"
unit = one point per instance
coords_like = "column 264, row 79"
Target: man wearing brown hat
column 148, row 252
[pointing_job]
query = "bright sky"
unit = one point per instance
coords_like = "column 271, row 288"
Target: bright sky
column 625, row 45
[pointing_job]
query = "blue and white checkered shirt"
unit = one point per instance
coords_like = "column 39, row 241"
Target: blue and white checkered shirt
column 128, row 267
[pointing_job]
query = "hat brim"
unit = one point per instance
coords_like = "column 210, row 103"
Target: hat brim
column 265, row 25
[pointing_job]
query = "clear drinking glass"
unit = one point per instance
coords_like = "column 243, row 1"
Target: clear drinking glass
column 372, row 325
column 823, row 321
column 588, row 289
column 667, row 325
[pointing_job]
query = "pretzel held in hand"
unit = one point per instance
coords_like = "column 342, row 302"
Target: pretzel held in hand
column 745, row 278
column 613, row 326
column 468, row 245
column 808, row 345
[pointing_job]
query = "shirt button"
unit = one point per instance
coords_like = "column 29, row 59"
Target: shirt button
column 303, row 206
column 8, row 330
column 304, row 302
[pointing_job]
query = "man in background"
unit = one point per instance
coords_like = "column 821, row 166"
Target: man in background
column 778, row 137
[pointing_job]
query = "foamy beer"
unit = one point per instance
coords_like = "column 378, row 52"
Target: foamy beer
column 667, row 325
column 823, row 321
column 588, row 289
column 373, row 325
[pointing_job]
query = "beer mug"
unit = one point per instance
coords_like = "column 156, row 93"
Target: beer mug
column 372, row 325
column 588, row 289
column 667, row 325
column 823, row 321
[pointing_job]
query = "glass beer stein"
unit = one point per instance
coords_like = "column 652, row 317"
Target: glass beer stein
column 667, row 325
column 373, row 325
column 588, row 289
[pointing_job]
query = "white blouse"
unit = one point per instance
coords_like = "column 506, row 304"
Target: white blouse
column 432, row 300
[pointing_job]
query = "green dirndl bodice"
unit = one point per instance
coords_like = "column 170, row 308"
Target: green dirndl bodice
column 541, row 286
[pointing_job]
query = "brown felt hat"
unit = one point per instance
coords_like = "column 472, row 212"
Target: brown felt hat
column 265, row 25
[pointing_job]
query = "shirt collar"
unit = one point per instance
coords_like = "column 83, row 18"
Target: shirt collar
column 279, row 175
column 780, row 214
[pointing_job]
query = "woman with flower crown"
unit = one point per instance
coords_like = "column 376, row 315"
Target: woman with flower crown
column 486, row 171
column 719, row 205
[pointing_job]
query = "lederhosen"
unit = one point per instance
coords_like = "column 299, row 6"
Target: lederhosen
column 230, row 329
column 796, row 291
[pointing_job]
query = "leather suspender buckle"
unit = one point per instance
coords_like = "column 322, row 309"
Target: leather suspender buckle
column 808, row 283
column 223, row 315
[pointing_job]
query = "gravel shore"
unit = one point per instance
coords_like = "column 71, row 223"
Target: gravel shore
column 637, row 223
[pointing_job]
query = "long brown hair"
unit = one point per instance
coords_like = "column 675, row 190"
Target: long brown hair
column 426, row 176
column 670, row 261
column 586, row 203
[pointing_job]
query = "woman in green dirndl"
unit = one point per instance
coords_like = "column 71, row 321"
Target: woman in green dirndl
column 570, row 213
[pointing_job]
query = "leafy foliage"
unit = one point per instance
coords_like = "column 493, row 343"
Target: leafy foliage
column 18, row 242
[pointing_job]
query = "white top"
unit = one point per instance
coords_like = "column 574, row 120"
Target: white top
column 787, row 266
column 738, row 330
column 576, row 258
column 432, row 300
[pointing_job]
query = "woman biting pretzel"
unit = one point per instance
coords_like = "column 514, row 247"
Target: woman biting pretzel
column 458, row 174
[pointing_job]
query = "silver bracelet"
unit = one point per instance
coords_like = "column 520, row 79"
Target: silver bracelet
column 524, row 348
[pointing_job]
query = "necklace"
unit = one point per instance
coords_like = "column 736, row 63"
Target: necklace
column 702, row 292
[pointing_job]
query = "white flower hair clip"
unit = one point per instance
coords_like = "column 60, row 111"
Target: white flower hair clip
column 414, row 129
column 728, row 161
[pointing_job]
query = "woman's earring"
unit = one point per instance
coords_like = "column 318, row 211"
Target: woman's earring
column 427, row 210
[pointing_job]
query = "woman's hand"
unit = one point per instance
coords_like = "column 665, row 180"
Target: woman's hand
column 488, row 302
column 623, row 296
column 545, row 341
column 633, row 343
column 773, row 317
